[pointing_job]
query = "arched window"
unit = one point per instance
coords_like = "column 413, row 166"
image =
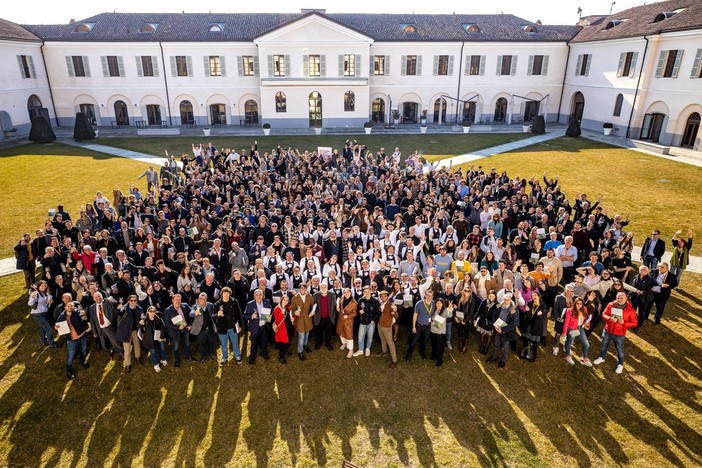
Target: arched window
column 349, row 101
column 471, row 28
column 121, row 113
column 187, row 116
column 83, row 28
column 409, row 28
column 147, row 28
column 251, row 111
column 529, row 29
column 215, row 28
column 281, row 104
column 500, row 110
column 618, row 105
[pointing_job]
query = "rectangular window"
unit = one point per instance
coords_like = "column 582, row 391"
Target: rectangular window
column 349, row 65
column 506, row 66
column 537, row 65
column 147, row 65
column 112, row 65
column 442, row 65
column 314, row 64
column 26, row 66
column 279, row 65
column 670, row 64
column 215, row 66
column 626, row 68
column 379, row 65
column 181, row 65
column 474, row 65
column 582, row 68
column 248, row 64
column 411, row 65
column 78, row 65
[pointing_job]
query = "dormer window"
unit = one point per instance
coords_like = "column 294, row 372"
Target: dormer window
column 529, row 29
column 84, row 27
column 149, row 28
column 664, row 16
column 471, row 28
column 613, row 24
column 216, row 27
column 409, row 29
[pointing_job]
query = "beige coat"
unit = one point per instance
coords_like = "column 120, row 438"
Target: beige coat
column 303, row 322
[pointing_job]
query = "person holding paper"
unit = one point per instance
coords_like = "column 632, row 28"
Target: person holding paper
column 76, row 338
column 40, row 300
column 642, row 295
column 202, row 327
column 560, row 305
column 421, row 321
column 301, row 307
column 618, row 316
column 575, row 324
column 437, row 330
column 344, row 323
column 665, row 283
column 127, row 324
column 103, row 320
column 368, row 311
column 178, row 322
column 388, row 315
column 487, row 313
column 258, row 313
column 532, row 333
column 505, row 330
column 464, row 315
column 153, row 337
column 228, row 323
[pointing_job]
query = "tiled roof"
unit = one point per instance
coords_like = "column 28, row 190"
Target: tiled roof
column 247, row 26
column 15, row 32
column 638, row 21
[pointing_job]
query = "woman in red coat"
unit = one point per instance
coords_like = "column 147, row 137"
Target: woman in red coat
column 280, row 314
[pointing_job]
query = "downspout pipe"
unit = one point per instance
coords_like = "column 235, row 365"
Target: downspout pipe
column 165, row 81
column 638, row 85
column 460, row 75
column 48, row 81
column 565, row 74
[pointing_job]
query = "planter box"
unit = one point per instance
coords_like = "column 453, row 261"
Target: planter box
column 266, row 131
column 607, row 131
column 367, row 130
column 466, row 129
column 206, row 131
column 526, row 128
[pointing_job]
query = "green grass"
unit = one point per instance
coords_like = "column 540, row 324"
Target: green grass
column 443, row 144
column 37, row 177
column 330, row 408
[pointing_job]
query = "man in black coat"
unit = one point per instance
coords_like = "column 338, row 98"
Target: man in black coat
column 103, row 320
column 179, row 331
column 653, row 250
column 665, row 282
column 642, row 295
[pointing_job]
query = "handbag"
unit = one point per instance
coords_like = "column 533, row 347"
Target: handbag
column 574, row 333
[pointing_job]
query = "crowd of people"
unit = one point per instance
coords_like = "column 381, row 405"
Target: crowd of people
column 279, row 245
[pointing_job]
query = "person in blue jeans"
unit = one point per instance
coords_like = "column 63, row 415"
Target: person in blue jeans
column 153, row 332
column 76, row 340
column 39, row 301
column 227, row 320
column 421, row 319
column 368, row 311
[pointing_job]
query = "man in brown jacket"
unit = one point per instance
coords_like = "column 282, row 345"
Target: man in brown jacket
column 483, row 283
column 552, row 265
column 388, row 315
column 302, row 304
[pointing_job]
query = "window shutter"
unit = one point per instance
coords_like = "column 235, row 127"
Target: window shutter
column 499, row 65
column 371, row 65
column 450, row 65
column 403, row 71
column 105, row 70
column 21, row 67
column 255, row 65
column 306, row 66
column 32, row 71
column 482, row 65
column 695, row 73
column 587, row 65
column 120, row 64
column 632, row 70
column 661, row 62
column 387, row 65
column 288, row 72
column 154, row 64
column 622, row 59
column 222, row 66
column 513, row 70
column 466, row 68
column 140, row 67
column 544, row 66
column 322, row 65
column 341, row 65
column 189, row 64
column 358, row 65
column 206, row 60
column 676, row 65
column 240, row 65
column 69, row 65
column 174, row 68
column 86, row 66
column 530, row 67
column 578, row 65
column 271, row 70
column 419, row 65
column 436, row 65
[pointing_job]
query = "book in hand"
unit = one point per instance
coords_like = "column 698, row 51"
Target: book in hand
column 407, row 299
column 540, row 233
column 439, row 321
column 617, row 313
column 499, row 323
column 178, row 321
column 460, row 316
column 157, row 335
column 266, row 314
column 63, row 328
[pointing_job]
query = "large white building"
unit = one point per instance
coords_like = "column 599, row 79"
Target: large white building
column 639, row 69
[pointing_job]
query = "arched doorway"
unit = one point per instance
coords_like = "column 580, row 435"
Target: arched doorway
column 378, row 110
column 531, row 110
column 410, row 111
column 578, row 106
column 218, row 114
column 36, row 108
column 153, row 114
column 187, row 116
column 440, row 110
column 469, row 111
column 315, row 109
column 251, row 112
column 652, row 127
column 121, row 113
column 500, row 110
column 692, row 127
column 89, row 111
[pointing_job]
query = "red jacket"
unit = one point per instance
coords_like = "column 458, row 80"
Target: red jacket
column 618, row 328
column 87, row 258
column 281, row 335
column 571, row 321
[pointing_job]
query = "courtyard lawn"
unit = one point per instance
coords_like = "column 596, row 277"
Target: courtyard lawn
column 37, row 177
column 329, row 408
column 656, row 192
column 444, row 144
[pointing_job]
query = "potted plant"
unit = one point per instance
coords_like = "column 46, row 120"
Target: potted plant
column 466, row 125
column 607, row 128
column 526, row 128
column 266, row 128
column 396, row 116
column 206, row 131
column 368, row 127
column 424, row 115
column 317, row 129
column 423, row 128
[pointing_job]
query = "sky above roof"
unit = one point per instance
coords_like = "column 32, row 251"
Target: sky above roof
column 549, row 12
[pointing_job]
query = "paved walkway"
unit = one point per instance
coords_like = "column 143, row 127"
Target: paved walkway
column 156, row 161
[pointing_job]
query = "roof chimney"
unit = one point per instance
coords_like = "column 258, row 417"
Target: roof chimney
column 71, row 21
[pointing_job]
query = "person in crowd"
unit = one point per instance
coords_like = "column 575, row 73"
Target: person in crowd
column 39, row 301
column 368, row 313
column 421, row 321
column 228, row 323
column 561, row 304
column 302, row 308
column 487, row 313
column 618, row 316
column 325, row 315
column 258, row 314
column 505, row 330
column 653, row 250
column 641, row 295
column 178, row 323
column 26, row 258
column 535, row 313
column 76, row 338
column 280, row 315
column 153, row 332
column 681, row 253
column 388, row 315
column 347, row 310
column 202, row 326
column 128, row 318
column 665, row 282
column 103, row 320
column 437, row 331
column 575, row 323
column 463, row 317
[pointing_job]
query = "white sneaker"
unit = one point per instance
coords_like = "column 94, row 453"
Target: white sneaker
column 164, row 363
column 358, row 353
column 343, row 346
column 448, row 346
column 619, row 369
column 350, row 353
column 367, row 351
column 569, row 360
column 157, row 368
column 586, row 362
column 598, row 361
column 555, row 350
